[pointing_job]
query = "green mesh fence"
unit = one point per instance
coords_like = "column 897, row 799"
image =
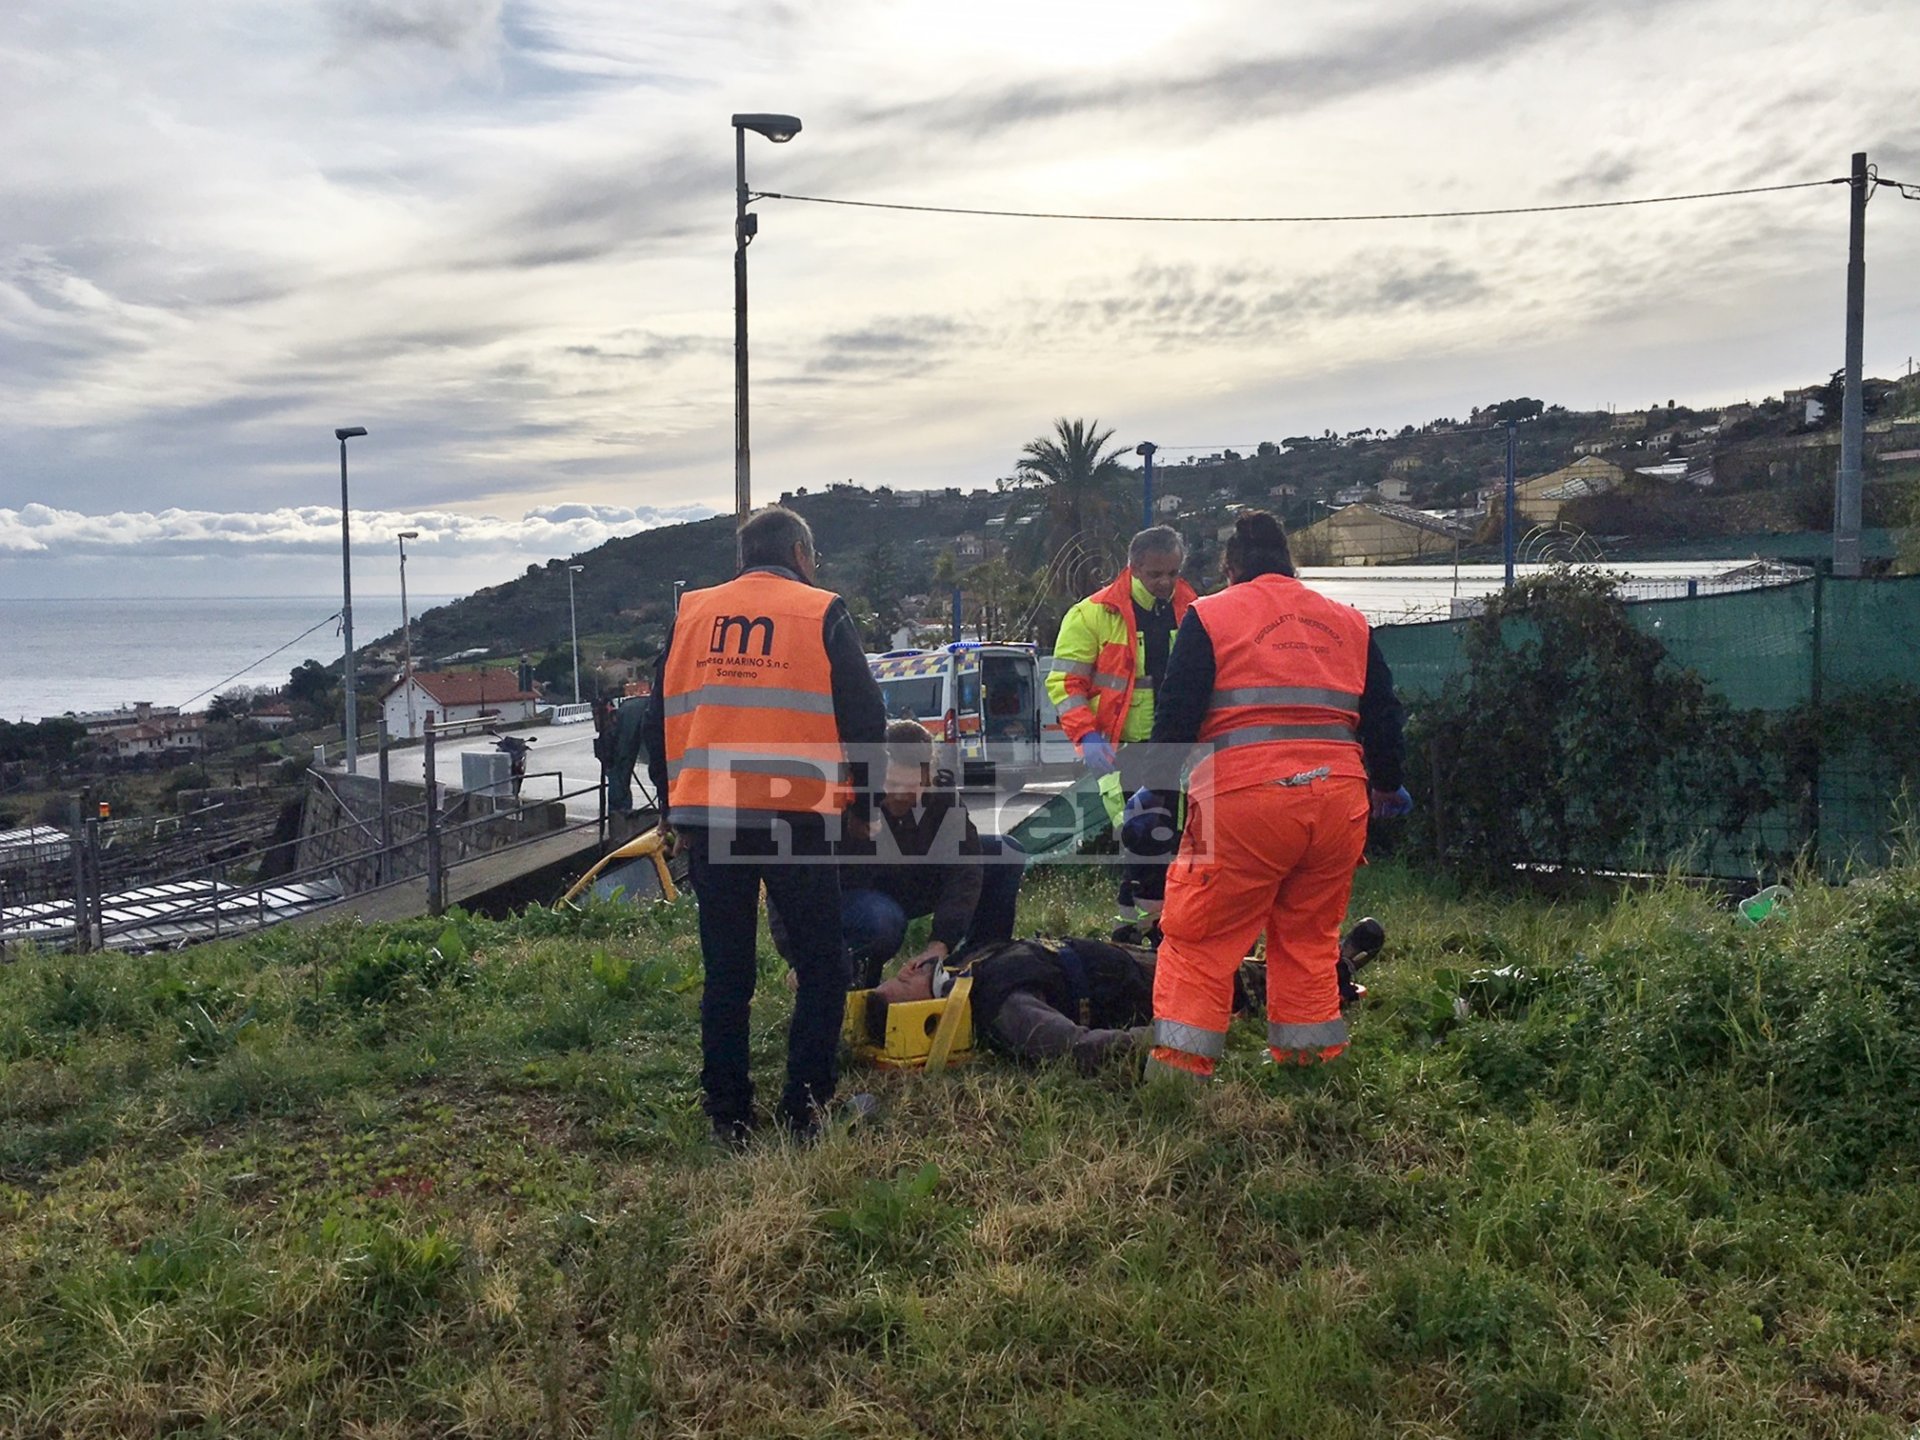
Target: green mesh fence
column 1852, row 679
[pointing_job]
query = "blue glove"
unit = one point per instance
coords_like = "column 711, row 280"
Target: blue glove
column 1097, row 753
column 1392, row 804
column 1141, row 801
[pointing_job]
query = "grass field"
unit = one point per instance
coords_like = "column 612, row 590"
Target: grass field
column 450, row 1178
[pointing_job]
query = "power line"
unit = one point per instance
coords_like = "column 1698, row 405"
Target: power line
column 1299, row 219
column 261, row 661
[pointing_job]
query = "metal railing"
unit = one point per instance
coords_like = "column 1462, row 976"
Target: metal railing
column 206, row 904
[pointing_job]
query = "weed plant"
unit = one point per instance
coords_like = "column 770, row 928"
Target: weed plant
column 1612, row 1167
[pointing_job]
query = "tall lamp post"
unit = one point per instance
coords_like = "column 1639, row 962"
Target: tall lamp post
column 406, row 629
column 779, row 129
column 573, row 627
column 352, row 717
column 1145, row 451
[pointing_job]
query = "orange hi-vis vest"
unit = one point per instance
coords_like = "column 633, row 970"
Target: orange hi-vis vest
column 1289, row 668
column 748, row 702
column 1099, row 693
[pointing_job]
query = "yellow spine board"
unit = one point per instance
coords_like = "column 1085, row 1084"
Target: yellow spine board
column 914, row 1029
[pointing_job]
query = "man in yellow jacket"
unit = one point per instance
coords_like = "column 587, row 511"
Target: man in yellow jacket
column 1112, row 652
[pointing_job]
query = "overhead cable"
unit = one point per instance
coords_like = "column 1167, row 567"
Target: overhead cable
column 261, row 661
column 1298, row 219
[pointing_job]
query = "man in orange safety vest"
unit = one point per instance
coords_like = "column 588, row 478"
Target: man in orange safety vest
column 760, row 693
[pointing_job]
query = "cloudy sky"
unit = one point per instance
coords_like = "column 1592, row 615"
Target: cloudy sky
column 497, row 233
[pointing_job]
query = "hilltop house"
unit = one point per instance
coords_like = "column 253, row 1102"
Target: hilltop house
column 444, row 696
column 1376, row 532
column 1539, row 499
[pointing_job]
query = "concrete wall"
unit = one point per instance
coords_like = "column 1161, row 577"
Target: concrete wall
column 341, row 824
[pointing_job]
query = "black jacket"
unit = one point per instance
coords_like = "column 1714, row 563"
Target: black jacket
column 928, row 861
column 1106, row 987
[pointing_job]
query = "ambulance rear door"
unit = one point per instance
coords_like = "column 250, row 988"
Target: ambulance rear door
column 1055, row 747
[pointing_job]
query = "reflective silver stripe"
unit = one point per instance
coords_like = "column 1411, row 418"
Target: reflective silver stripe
column 1285, row 695
column 1263, row 734
column 1317, row 1036
column 1190, row 1039
column 746, row 762
column 1143, row 682
column 1082, row 668
column 1110, row 682
column 1075, row 702
column 1157, row 1066
column 772, row 697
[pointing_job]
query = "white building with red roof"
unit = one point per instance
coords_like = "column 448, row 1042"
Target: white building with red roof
column 444, row 696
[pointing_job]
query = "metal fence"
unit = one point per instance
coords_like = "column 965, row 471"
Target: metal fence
column 1834, row 662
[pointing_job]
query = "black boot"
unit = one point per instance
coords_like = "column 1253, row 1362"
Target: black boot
column 1357, row 949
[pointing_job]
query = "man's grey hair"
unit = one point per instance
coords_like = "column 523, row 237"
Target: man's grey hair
column 1156, row 540
column 768, row 535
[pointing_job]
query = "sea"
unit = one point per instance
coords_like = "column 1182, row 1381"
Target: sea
column 77, row 655
column 58, row 656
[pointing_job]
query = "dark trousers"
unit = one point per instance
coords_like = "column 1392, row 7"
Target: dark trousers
column 808, row 894
column 1028, row 1027
column 999, row 890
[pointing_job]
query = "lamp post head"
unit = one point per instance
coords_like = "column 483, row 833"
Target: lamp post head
column 777, row 128
column 1145, row 447
column 576, row 569
column 350, row 432
column 409, row 534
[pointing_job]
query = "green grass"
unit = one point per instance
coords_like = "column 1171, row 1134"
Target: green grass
column 451, row 1178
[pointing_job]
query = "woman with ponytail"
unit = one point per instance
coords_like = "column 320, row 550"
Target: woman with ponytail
column 1299, row 733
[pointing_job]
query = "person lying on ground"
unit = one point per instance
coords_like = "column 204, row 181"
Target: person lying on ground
column 1088, row 1002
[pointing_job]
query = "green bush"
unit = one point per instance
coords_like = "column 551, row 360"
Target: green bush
column 1572, row 740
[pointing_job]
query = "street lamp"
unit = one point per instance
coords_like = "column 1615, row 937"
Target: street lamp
column 352, row 718
column 779, row 129
column 573, row 625
column 406, row 628
column 1145, row 451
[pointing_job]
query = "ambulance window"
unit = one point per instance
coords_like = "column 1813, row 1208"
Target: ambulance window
column 912, row 698
column 969, row 690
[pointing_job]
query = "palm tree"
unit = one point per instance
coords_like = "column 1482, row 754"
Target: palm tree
column 1077, row 489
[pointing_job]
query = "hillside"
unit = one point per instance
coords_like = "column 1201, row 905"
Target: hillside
column 1602, row 1168
column 1771, row 471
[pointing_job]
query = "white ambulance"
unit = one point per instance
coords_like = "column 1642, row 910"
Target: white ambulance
column 988, row 701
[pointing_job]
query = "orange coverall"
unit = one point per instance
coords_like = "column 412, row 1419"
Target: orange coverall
column 1277, row 822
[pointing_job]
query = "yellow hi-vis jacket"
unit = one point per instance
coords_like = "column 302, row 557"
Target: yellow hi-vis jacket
column 1099, row 679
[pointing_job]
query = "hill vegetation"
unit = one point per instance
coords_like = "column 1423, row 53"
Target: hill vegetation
column 1605, row 1167
column 1772, row 470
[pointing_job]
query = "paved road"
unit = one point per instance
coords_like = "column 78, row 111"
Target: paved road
column 568, row 750
column 565, row 749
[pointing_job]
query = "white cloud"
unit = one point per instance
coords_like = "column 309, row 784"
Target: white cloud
column 499, row 236
column 44, row 531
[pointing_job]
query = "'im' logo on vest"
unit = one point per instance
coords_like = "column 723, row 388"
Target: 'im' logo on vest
column 747, row 626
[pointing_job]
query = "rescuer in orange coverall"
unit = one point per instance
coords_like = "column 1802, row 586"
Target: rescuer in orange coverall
column 1299, row 732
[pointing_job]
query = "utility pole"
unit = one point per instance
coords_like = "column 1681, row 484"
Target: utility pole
column 1510, row 503
column 1853, row 420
